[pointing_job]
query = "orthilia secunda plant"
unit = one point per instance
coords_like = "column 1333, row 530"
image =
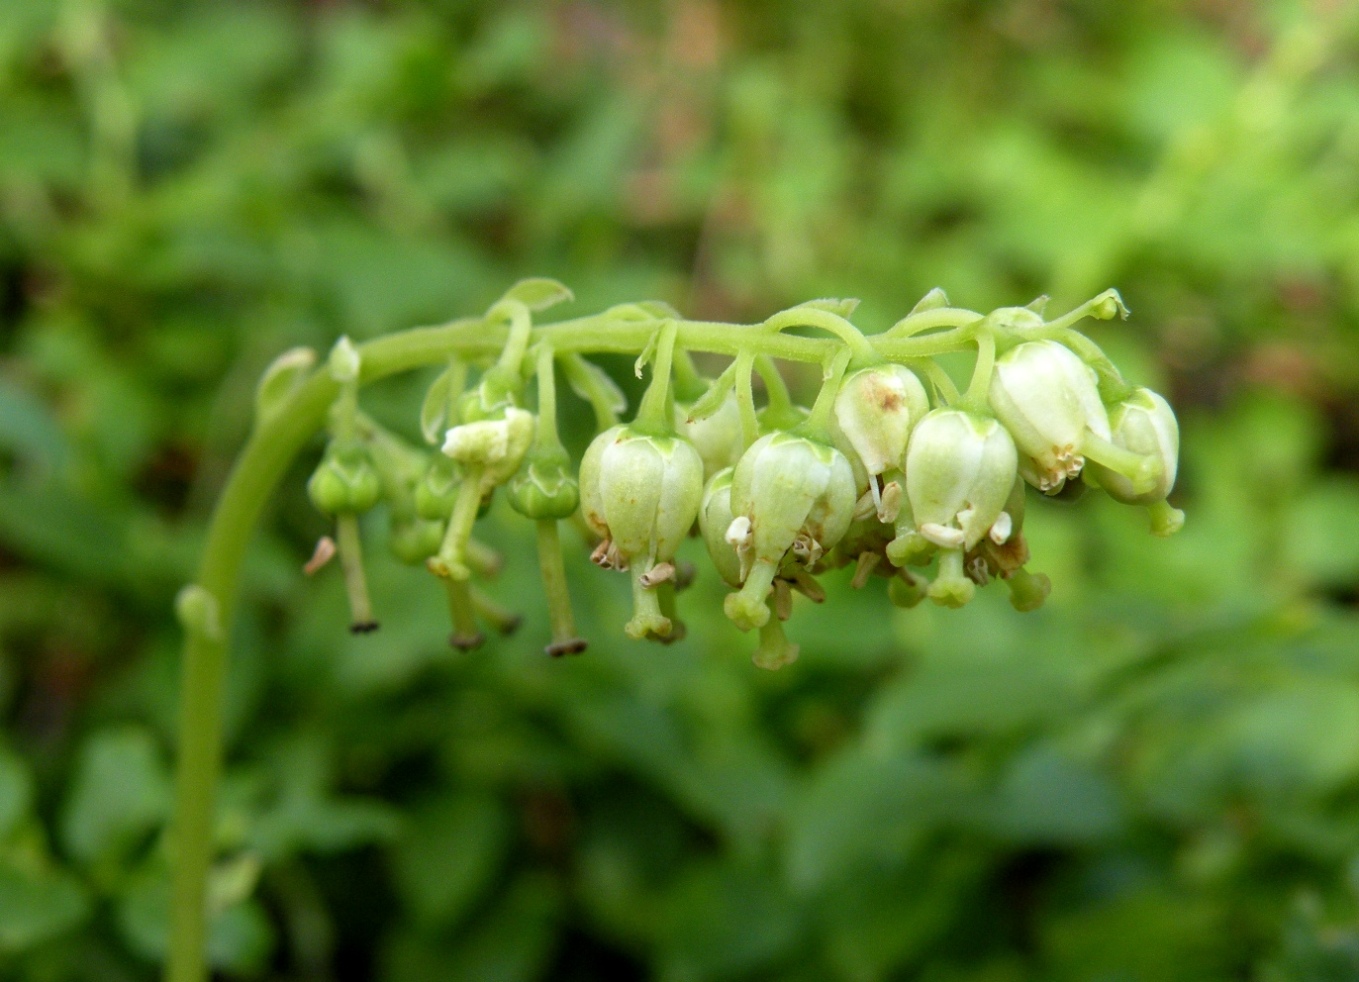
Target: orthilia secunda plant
column 895, row 474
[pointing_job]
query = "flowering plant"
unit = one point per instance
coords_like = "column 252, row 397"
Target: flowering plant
column 893, row 470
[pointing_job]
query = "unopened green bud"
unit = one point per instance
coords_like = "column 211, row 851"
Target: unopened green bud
column 344, row 362
column 714, row 518
column 716, row 437
column 437, row 490
column 345, row 482
column 876, row 409
column 494, row 447
column 1048, row 398
column 544, row 486
column 960, row 469
column 414, row 540
column 1145, row 424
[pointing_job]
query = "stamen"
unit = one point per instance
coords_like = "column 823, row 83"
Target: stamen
column 868, row 561
column 943, row 536
column 1001, row 530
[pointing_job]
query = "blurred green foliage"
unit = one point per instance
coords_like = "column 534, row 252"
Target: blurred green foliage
column 1154, row 778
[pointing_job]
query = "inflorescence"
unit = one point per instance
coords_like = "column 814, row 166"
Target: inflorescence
column 893, row 471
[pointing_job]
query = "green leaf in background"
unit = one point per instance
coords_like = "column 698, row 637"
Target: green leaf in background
column 121, row 792
column 1047, row 798
column 726, row 919
column 37, row 905
column 447, row 855
column 16, row 791
column 240, row 936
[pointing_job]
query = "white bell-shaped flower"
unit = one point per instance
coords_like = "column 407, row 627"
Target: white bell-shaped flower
column 1048, row 398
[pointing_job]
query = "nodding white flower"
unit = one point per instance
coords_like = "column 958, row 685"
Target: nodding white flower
column 495, row 446
column 876, row 409
column 792, row 500
column 960, row 470
column 641, row 493
column 715, row 520
column 717, row 437
column 1145, row 424
column 1047, row 398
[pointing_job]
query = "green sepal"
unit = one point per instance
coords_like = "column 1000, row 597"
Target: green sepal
column 840, row 306
column 933, row 300
column 281, row 380
column 434, row 410
column 538, row 293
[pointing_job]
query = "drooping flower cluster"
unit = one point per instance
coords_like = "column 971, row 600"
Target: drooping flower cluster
column 893, row 471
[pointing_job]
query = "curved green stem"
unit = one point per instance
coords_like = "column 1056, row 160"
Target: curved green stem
column 521, row 328
column 745, row 399
column 976, row 395
column 927, row 320
column 546, row 434
column 655, row 415
column 817, row 425
column 780, row 411
column 862, row 351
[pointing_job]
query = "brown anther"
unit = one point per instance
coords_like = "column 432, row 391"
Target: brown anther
column 783, row 600
column 658, row 574
column 363, row 627
column 324, row 553
column 804, row 584
column 868, row 561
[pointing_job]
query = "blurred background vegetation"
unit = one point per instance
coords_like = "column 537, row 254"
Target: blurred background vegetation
column 1154, row 778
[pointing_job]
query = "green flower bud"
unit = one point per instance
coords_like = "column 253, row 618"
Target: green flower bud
column 494, row 447
column 344, row 362
column 544, row 486
column 717, row 437
column 793, row 499
column 1048, row 398
column 1145, row 424
column 876, row 409
column 437, row 490
column 345, row 482
column 414, row 540
column 714, row 518
column 960, row 469
column 490, row 397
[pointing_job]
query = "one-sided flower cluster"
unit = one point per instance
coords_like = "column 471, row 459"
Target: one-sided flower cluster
column 894, row 471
